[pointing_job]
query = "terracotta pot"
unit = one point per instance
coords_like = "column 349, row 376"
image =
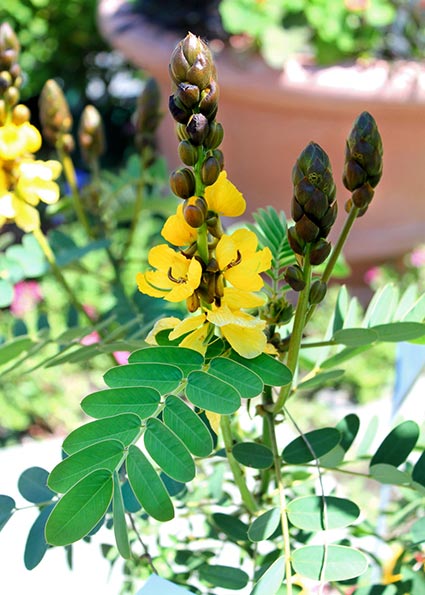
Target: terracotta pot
column 269, row 117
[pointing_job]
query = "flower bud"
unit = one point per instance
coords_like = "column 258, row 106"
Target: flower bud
column 307, row 229
column 55, row 116
column 215, row 135
column 181, row 132
column 11, row 96
column 317, row 292
column 191, row 62
column 179, row 111
column 91, row 134
column 219, row 286
column 210, row 171
column 9, row 47
column 297, row 244
column 295, row 277
column 182, row 182
column 195, row 211
column 188, row 153
column 197, row 128
column 362, row 196
column 147, row 116
column 319, row 251
column 363, row 156
column 193, row 302
column 188, row 95
column 20, row 114
column 220, row 157
column 208, row 104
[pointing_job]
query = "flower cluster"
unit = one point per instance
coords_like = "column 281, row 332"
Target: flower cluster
column 217, row 274
column 24, row 181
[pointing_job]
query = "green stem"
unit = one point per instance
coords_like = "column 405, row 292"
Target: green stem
column 202, row 243
column 44, row 245
column 71, row 178
column 297, row 332
column 140, row 190
column 282, row 501
column 238, row 476
column 352, row 216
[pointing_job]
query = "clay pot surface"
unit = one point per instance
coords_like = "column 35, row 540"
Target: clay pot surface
column 270, row 116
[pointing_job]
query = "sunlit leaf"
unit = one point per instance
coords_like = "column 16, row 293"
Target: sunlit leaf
column 271, row 580
column 397, row 446
column 330, row 563
column 417, row 530
column 311, row 445
column 317, row 513
column 13, row 348
column 227, row 577
column 400, row 331
column 265, row 525
column 388, row 474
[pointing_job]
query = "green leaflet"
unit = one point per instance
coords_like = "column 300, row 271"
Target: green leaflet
column 231, row 526
column 341, row 562
column 397, row 446
column 120, row 525
column 124, row 427
column 13, row 348
column 188, row 426
column 271, row 371
column 36, row 545
column 308, row 512
column 253, row 455
column 265, row 525
column 244, row 380
column 227, row 577
column 7, row 508
column 164, row 378
column 311, row 445
column 102, row 455
column 32, row 485
column 212, row 394
column 147, row 486
column 185, row 359
column 271, row 580
column 168, row 451
column 141, row 400
column 80, row 509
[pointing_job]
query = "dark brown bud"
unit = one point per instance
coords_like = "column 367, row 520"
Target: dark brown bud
column 297, row 244
column 215, row 135
column 191, row 62
column 182, row 182
column 362, row 196
column 319, row 252
column 220, row 157
column 295, row 277
column 364, row 148
column 195, row 211
column 317, row 205
column 354, row 175
column 188, row 153
column 306, row 229
column 181, row 132
column 187, row 94
column 179, row 111
column 197, row 129
column 193, row 302
column 317, row 292
column 210, row 171
column 296, row 210
column 208, row 104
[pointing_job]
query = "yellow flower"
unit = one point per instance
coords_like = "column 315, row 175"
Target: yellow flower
column 35, row 182
column 16, row 141
column 224, row 198
column 241, row 262
column 177, row 231
column 175, row 278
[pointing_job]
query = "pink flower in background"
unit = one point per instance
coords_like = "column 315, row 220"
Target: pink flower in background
column 371, row 275
column 417, row 258
column 121, row 357
column 91, row 339
column 26, row 295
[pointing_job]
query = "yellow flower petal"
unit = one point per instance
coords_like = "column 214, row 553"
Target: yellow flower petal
column 187, row 325
column 161, row 325
column 32, row 137
column 237, row 298
column 214, row 419
column 7, row 209
column 198, row 339
column 224, row 198
column 26, row 216
column 177, row 231
column 248, row 342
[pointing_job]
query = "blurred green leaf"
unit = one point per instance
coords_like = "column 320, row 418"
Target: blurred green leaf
column 397, row 446
column 227, row 577
column 417, row 531
column 265, row 525
column 311, row 445
column 251, row 454
column 7, row 508
column 272, row 579
column 231, row 526
column 36, row 545
column 388, row 474
column 320, row 379
column 355, row 337
column 418, row 473
column 320, row 513
column 329, row 563
column 6, row 293
column 400, row 331
column 14, row 348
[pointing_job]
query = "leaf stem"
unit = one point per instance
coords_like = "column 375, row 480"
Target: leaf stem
column 282, row 500
column 238, row 476
column 297, row 332
column 71, row 178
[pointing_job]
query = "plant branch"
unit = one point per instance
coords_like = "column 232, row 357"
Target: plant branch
column 71, row 178
column 139, row 539
column 238, row 476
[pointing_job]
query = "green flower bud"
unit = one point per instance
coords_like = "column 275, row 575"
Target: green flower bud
column 210, row 171
column 197, row 129
column 220, row 157
column 295, row 277
column 278, row 312
column 363, row 153
column 195, row 211
column 55, row 116
column 188, row 153
column 182, row 182
column 319, row 252
column 91, row 134
column 191, row 62
column 179, row 111
column 317, row 292
column 215, row 135
column 181, row 132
